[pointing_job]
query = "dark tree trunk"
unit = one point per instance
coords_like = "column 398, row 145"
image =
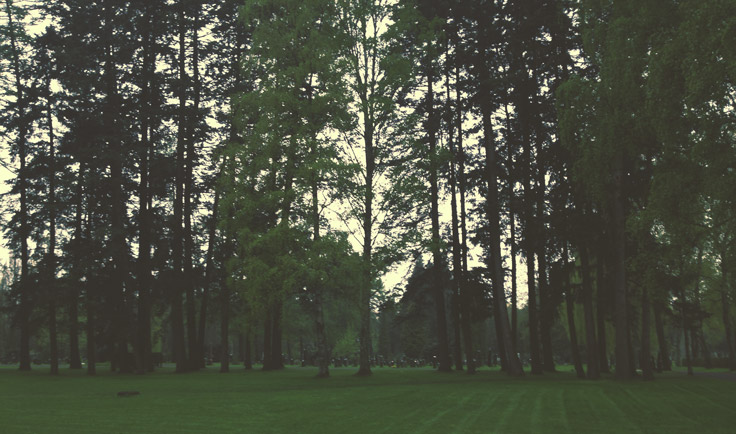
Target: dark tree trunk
column 623, row 357
column 267, row 342
column 277, row 359
column 645, row 358
column 457, row 269
column 51, row 254
column 570, row 304
column 591, row 345
column 512, row 232
column 177, row 309
column 601, row 297
column 493, row 211
column 193, row 124
column 464, row 295
column 546, row 308
column 209, row 278
column 443, row 354
column 664, row 355
column 529, row 243
column 145, row 360
column 25, row 301
column 118, row 245
column 364, row 368
column 225, row 326
column 75, row 360
column 247, row 355
column 727, row 324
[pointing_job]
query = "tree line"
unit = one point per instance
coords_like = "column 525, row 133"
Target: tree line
column 257, row 161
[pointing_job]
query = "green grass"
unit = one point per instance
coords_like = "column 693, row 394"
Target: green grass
column 391, row 401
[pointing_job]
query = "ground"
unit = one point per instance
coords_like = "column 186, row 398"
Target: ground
column 411, row 400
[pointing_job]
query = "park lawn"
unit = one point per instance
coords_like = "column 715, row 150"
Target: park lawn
column 391, row 401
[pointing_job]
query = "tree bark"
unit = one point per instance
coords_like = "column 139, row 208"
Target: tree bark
column 620, row 298
column 591, row 345
column 177, row 310
column 495, row 260
column 25, row 307
column 193, row 124
column 646, row 354
column 664, row 354
column 727, row 324
column 51, row 254
column 443, row 355
column 601, row 294
column 457, row 269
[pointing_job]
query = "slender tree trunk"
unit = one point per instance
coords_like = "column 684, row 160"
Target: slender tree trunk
column 619, row 247
column 512, row 233
column 75, row 360
column 247, row 355
column 209, row 278
column 664, row 354
column 573, row 333
column 456, row 259
column 145, row 359
column 118, row 244
column 601, row 294
column 225, row 328
column 464, row 294
column 364, row 368
column 51, row 254
column 645, row 358
column 685, row 327
column 496, row 261
column 191, row 158
column 591, row 345
column 267, row 342
column 529, row 242
column 177, row 310
column 25, row 301
column 727, row 324
column 277, row 358
column 545, row 299
column 437, row 259
column 570, row 304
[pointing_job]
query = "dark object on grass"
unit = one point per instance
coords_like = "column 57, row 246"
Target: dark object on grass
column 128, row 393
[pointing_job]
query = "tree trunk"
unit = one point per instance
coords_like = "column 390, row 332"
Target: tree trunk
column 225, row 327
column 193, row 124
column 570, row 304
column 645, row 358
column 546, row 307
column 457, row 270
column 209, row 278
column 177, row 310
column 118, row 245
column 51, row 254
column 277, row 359
column 145, row 359
column 24, row 308
column 619, row 248
column 512, row 233
column 664, row 354
column 267, row 342
column 727, row 324
column 364, row 368
column 443, row 355
column 601, row 294
column 591, row 345
column 496, row 261
column 247, row 355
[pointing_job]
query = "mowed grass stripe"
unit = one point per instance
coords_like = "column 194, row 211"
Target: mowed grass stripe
column 392, row 400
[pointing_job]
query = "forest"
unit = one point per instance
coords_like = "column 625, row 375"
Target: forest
column 194, row 181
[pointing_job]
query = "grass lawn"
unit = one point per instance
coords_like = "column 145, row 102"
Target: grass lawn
column 391, row 401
